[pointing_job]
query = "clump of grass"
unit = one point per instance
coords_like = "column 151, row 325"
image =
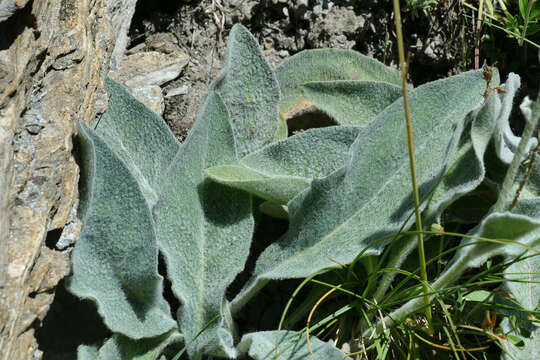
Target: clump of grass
column 465, row 322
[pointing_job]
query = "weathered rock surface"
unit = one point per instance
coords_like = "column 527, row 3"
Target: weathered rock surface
column 51, row 76
column 143, row 73
column 9, row 7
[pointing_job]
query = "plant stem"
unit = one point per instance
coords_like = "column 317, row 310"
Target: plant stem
column 478, row 31
column 529, row 8
column 505, row 197
column 421, row 254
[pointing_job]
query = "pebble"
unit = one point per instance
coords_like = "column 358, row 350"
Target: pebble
column 284, row 53
column 182, row 90
column 341, row 38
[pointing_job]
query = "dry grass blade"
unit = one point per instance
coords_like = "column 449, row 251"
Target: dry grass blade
column 328, row 293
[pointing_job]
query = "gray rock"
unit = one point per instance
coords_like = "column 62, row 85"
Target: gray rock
column 144, row 73
column 429, row 50
column 119, row 14
column 71, row 232
column 9, row 7
column 51, row 77
column 341, row 38
column 5, row 70
column 182, row 90
column 340, row 24
column 150, row 68
column 240, row 9
column 151, row 96
column 285, row 12
column 136, row 49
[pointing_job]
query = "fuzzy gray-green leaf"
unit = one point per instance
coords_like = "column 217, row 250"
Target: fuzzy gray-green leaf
column 139, row 137
column 531, row 344
column 505, row 141
column 326, row 65
column 87, row 352
column 204, row 230
column 275, row 188
column 524, row 285
column 279, row 171
column 250, row 90
column 466, row 170
column 116, row 257
column 371, row 196
column 121, row 348
column 529, row 200
column 520, row 228
column 290, row 346
column 283, row 130
column 352, row 102
column 524, row 281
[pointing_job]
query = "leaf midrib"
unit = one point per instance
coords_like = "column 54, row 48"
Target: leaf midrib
column 202, row 245
column 137, row 172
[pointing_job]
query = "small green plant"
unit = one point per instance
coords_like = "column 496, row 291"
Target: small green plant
column 520, row 21
column 521, row 25
column 419, row 5
column 345, row 191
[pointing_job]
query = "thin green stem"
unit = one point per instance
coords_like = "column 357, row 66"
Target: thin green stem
column 477, row 38
column 520, row 41
column 492, row 24
column 502, row 5
column 421, row 253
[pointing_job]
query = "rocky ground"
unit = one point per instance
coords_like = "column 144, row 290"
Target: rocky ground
column 439, row 42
